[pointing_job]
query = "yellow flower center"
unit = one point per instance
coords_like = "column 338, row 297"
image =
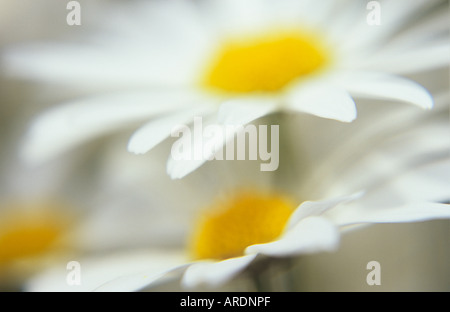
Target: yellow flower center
column 26, row 235
column 231, row 225
column 265, row 64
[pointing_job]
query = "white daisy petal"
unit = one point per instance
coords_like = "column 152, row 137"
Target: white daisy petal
column 285, row 10
column 56, row 63
column 432, row 180
column 412, row 212
column 96, row 271
column 434, row 26
column 214, row 273
column 311, row 235
column 231, row 116
column 243, row 111
column 156, row 31
column 323, row 100
column 384, row 86
column 201, row 150
column 138, row 282
column 343, row 21
column 234, row 16
column 64, row 127
column 393, row 15
column 155, row 131
column 308, row 12
column 396, row 156
column 189, row 152
column 310, row 208
column 414, row 60
column 429, row 182
column 319, row 12
column 73, row 65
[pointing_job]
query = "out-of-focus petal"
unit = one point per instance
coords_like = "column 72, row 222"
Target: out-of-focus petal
column 379, row 85
column 311, row 208
column 155, row 131
column 412, row 212
column 214, row 273
column 313, row 234
column 323, row 100
column 66, row 126
column 96, row 271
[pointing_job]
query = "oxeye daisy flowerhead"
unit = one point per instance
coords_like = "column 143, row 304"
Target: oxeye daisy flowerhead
column 161, row 63
column 36, row 219
column 33, row 236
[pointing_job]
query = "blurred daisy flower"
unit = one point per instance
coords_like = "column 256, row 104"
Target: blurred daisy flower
column 42, row 208
column 33, row 236
column 203, row 241
column 52, row 215
column 36, row 220
column 163, row 63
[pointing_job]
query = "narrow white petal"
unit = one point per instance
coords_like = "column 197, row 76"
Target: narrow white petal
column 393, row 185
column 412, row 212
column 137, row 282
column 214, row 273
column 430, row 182
column 134, row 50
column 57, row 62
column 323, row 100
column 413, row 60
column 155, row 131
column 310, row 208
column 406, row 161
column 420, row 33
column 307, row 12
column 206, row 147
column 192, row 144
column 311, row 235
column 232, row 117
column 344, row 17
column 319, row 12
column 66, row 126
column 393, row 15
column 96, row 271
column 235, row 17
column 384, row 86
column 243, row 111
column 141, row 48
column 103, row 67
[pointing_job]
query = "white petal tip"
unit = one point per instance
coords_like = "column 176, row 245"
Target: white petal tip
column 134, row 149
column 324, row 100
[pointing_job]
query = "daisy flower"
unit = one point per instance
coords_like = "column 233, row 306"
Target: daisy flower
column 49, row 218
column 405, row 179
column 33, row 236
column 36, row 221
column 162, row 63
column 41, row 210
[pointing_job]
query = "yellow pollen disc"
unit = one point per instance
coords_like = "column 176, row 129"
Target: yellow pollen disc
column 28, row 235
column 225, row 230
column 265, row 64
